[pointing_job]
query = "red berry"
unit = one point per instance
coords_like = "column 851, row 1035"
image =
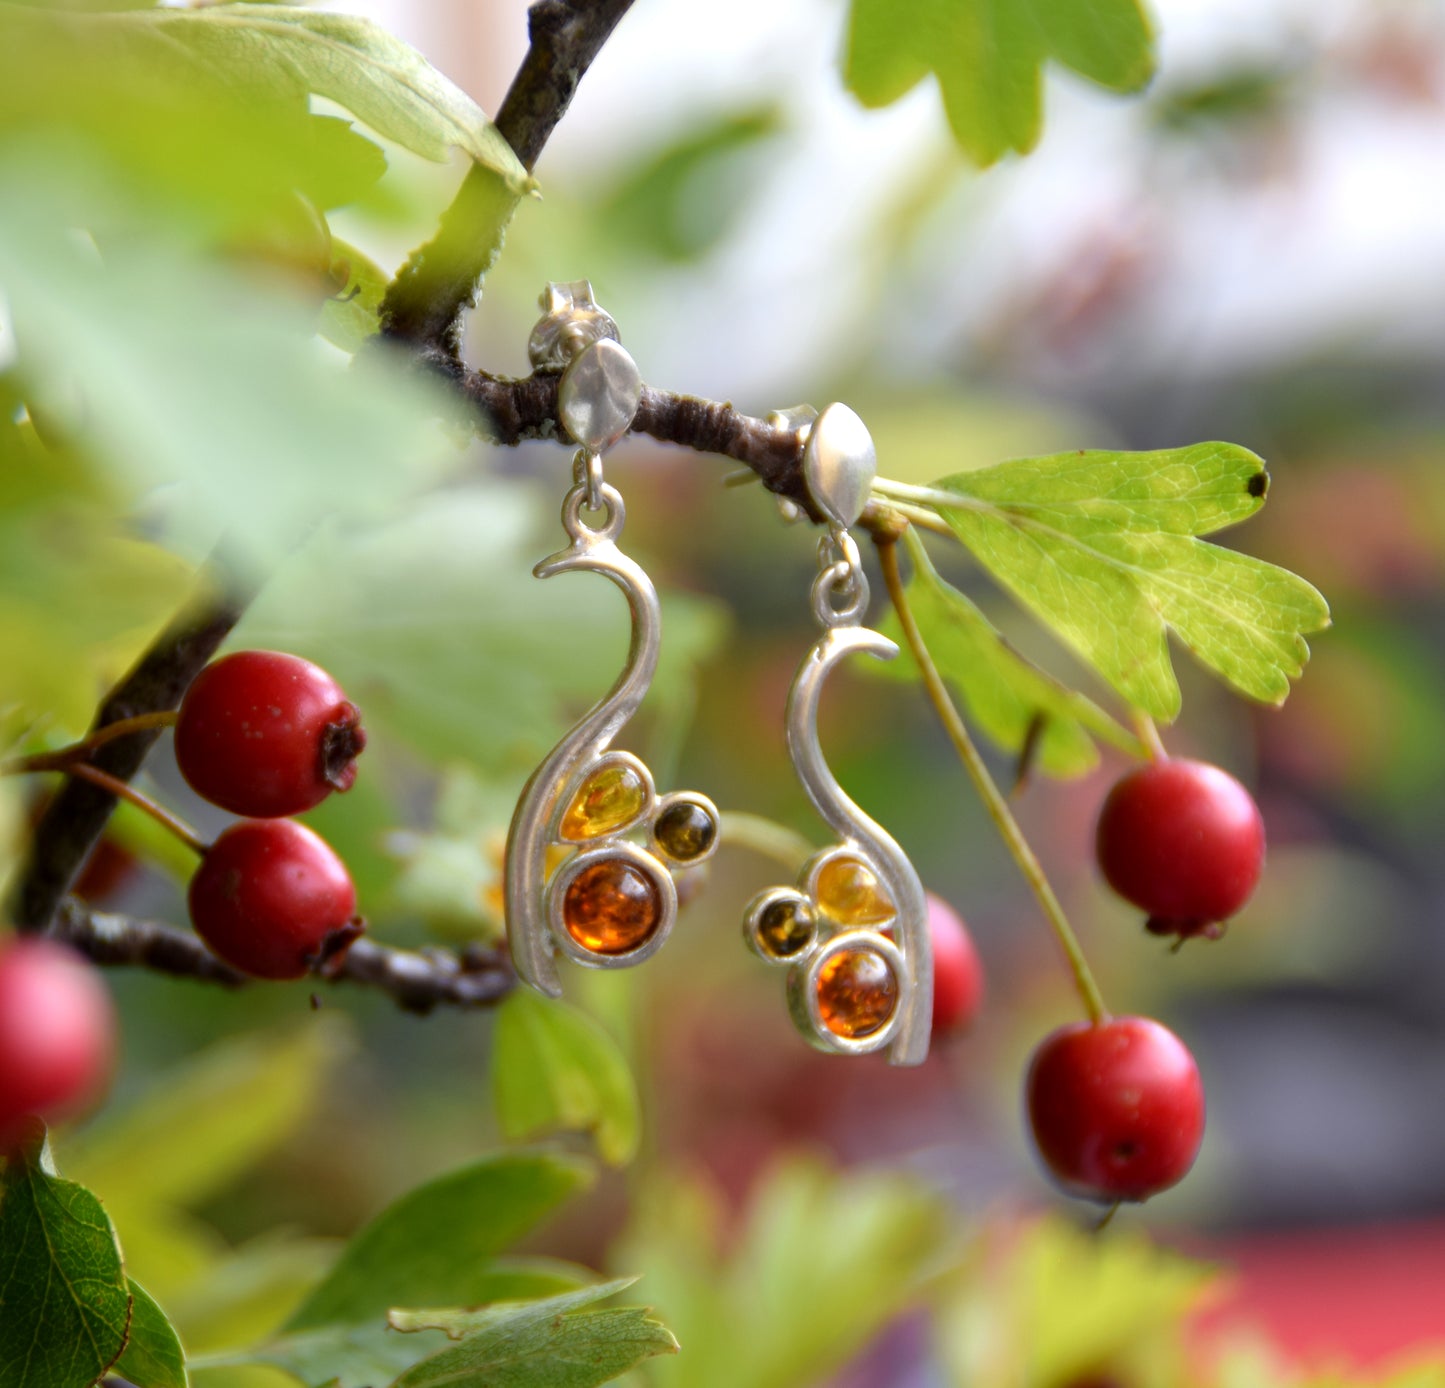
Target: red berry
column 265, row 734
column 957, row 971
column 1184, row 842
column 1117, row 1108
column 271, row 898
column 57, row 1032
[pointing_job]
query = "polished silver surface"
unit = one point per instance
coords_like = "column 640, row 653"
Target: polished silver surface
column 599, row 395
column 907, row 1033
column 571, row 321
column 839, row 464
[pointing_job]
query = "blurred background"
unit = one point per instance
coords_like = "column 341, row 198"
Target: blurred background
column 1253, row 250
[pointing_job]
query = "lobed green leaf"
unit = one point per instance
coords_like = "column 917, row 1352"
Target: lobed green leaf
column 555, row 1068
column 1011, row 700
column 1102, row 547
column 354, row 62
column 553, row 1343
column 988, row 57
column 435, row 1244
column 818, row 1265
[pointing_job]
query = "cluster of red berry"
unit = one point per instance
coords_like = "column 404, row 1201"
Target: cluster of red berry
column 1117, row 1106
column 267, row 735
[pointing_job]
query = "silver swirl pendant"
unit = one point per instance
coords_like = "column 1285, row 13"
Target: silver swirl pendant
column 593, row 849
column 853, row 930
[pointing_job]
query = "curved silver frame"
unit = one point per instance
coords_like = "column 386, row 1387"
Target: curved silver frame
column 907, row 1033
column 533, row 904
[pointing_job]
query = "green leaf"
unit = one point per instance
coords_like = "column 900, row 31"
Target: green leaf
column 354, row 62
column 1101, row 546
column 348, row 1356
column 365, row 1355
column 234, row 1102
column 988, row 56
column 221, row 417
column 1005, row 694
column 65, row 1305
column 681, row 201
column 353, row 314
column 555, row 1068
column 789, row 1292
column 153, row 1355
column 393, row 611
column 433, row 1246
column 199, row 155
column 1048, row 1302
column 537, row 1344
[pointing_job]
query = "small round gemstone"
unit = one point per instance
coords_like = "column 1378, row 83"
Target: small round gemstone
column 857, row 993
column 685, row 830
column 785, row 928
column 849, row 891
column 605, row 801
column 611, row 907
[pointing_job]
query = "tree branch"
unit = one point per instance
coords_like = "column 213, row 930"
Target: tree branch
column 417, row 980
column 76, row 816
column 424, row 304
column 510, row 412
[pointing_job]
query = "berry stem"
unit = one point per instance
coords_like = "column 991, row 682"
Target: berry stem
column 123, row 790
column 993, row 799
column 765, row 837
column 1149, row 736
column 80, row 751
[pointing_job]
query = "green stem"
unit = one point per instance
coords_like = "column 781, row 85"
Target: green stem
column 1149, row 736
column 993, row 798
column 765, row 837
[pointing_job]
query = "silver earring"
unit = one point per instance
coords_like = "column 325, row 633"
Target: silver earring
column 853, row 932
column 592, row 848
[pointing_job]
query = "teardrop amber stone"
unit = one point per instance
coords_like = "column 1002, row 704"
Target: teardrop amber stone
column 605, row 801
column 611, row 907
column 849, row 891
column 857, row 993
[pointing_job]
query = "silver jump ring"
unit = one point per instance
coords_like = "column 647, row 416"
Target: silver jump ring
column 609, row 499
column 840, row 595
column 587, row 468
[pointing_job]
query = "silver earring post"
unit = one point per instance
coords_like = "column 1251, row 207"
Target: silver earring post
column 853, row 932
column 592, row 847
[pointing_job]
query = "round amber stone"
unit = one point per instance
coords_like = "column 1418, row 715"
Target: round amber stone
column 685, row 830
column 611, row 907
column 785, row 928
column 857, row 993
column 850, row 892
column 604, row 802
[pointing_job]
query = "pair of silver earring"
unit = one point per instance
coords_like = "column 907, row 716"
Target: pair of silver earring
column 593, row 850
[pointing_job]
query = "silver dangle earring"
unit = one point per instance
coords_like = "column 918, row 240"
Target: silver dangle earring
column 853, row 932
column 592, row 848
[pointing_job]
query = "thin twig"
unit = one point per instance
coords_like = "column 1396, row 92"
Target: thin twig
column 993, row 799
column 123, row 790
column 417, row 981
column 74, row 819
